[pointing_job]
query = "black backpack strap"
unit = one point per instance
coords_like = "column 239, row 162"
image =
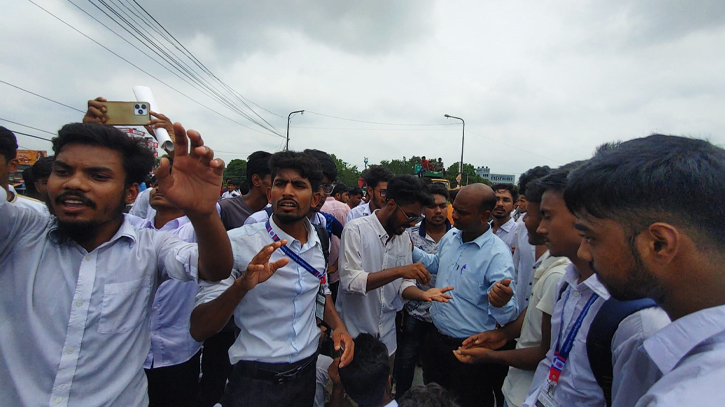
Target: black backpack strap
column 324, row 241
column 601, row 333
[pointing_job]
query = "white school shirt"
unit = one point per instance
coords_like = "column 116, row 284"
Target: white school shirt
column 359, row 211
column 74, row 326
column 577, row 384
column 365, row 249
column 27, row 202
column 171, row 342
column 277, row 317
column 549, row 271
column 690, row 352
column 524, row 259
column 507, row 232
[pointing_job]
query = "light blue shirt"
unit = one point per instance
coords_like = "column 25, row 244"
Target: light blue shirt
column 472, row 269
column 171, row 342
column 690, row 352
column 277, row 317
column 359, row 211
column 74, row 325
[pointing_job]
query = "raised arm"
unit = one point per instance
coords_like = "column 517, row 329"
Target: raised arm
column 210, row 316
column 193, row 186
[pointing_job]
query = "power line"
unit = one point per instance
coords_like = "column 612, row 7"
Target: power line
column 25, row 125
column 42, row 97
column 162, row 51
column 147, row 73
column 30, row 135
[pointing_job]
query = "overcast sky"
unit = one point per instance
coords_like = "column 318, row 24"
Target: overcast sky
column 537, row 82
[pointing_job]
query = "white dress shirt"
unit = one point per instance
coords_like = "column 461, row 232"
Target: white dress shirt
column 507, row 232
column 141, row 206
column 365, row 249
column 690, row 352
column 549, row 271
column 359, row 211
column 524, row 259
column 277, row 317
column 230, row 194
column 577, row 384
column 171, row 342
column 23, row 201
column 74, row 326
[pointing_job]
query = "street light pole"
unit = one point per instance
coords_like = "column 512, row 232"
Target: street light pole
column 289, row 116
column 463, row 137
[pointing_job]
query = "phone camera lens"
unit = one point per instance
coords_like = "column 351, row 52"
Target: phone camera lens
column 140, row 112
column 137, row 106
column 143, row 107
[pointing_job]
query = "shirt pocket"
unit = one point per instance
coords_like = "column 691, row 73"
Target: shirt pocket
column 468, row 288
column 125, row 305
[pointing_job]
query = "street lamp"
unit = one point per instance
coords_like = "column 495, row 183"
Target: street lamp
column 463, row 136
column 289, row 116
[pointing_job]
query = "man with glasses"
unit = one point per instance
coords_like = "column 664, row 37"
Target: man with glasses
column 376, row 271
column 376, row 177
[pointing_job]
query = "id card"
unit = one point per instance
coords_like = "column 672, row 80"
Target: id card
column 546, row 396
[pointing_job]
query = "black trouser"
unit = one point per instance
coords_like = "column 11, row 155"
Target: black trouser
column 411, row 338
column 470, row 384
column 174, row 386
column 271, row 384
column 215, row 367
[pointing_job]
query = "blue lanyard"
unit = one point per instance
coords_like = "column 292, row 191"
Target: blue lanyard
column 299, row 260
column 561, row 351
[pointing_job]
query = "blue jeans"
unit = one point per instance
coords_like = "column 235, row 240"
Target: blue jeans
column 410, row 343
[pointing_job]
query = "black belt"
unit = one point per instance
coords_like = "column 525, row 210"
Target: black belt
column 449, row 340
column 275, row 372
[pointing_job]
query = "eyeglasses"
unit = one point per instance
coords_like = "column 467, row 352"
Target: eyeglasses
column 410, row 218
column 382, row 192
column 326, row 188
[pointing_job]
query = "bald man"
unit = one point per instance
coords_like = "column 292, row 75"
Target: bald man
column 480, row 267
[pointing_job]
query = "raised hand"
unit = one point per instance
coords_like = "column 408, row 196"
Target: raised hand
column 260, row 269
column 193, row 185
column 494, row 339
column 343, row 340
column 501, row 293
column 437, row 294
column 96, row 112
column 415, row 271
column 473, row 355
column 160, row 121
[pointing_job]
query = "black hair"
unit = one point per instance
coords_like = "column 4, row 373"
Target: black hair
column 655, row 178
column 365, row 379
column 376, row 174
column 439, row 189
column 257, row 163
column 356, row 191
column 43, row 167
column 29, row 181
column 452, row 195
column 530, row 175
column 138, row 159
column 408, row 189
column 429, row 395
column 339, row 189
column 8, row 144
column 513, row 190
column 306, row 165
column 329, row 169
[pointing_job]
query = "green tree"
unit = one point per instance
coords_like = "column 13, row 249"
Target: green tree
column 345, row 173
column 236, row 170
column 469, row 175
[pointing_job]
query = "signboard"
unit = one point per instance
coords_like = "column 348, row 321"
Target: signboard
column 30, row 157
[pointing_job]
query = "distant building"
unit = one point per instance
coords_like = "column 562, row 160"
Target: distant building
column 485, row 172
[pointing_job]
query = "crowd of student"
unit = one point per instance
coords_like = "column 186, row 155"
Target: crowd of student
column 599, row 283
